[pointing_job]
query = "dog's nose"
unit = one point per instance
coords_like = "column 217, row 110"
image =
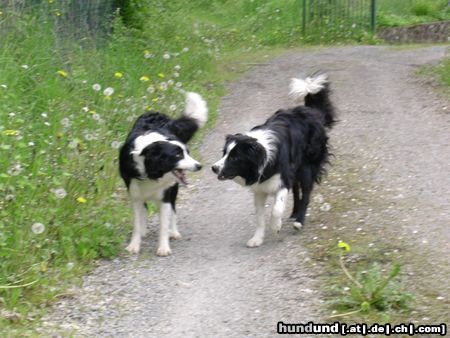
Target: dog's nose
column 215, row 169
column 198, row 166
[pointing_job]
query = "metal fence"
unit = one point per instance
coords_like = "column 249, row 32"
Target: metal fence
column 323, row 15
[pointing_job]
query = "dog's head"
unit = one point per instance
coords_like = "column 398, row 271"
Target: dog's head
column 165, row 156
column 243, row 158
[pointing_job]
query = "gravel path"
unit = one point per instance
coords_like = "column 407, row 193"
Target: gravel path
column 213, row 285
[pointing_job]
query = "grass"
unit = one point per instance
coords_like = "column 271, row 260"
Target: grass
column 408, row 12
column 68, row 98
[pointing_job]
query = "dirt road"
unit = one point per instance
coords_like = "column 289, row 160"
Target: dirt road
column 393, row 136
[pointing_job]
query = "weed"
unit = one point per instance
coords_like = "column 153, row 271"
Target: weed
column 369, row 290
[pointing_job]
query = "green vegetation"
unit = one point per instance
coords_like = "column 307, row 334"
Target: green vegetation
column 70, row 89
column 408, row 12
column 368, row 291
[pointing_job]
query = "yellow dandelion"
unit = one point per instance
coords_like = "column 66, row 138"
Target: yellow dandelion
column 62, row 73
column 107, row 98
column 155, row 100
column 81, row 200
column 345, row 246
column 51, row 1
column 92, row 112
column 118, row 75
column 59, row 135
column 144, row 78
column 58, row 13
column 148, row 108
column 161, row 75
column 10, row 132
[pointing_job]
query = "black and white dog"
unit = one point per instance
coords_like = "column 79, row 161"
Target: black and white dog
column 289, row 151
column 152, row 164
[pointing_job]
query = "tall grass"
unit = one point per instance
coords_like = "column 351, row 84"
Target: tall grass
column 406, row 12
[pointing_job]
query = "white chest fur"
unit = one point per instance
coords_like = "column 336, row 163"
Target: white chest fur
column 144, row 190
column 270, row 186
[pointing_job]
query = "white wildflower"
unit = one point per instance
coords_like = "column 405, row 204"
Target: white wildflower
column 31, row 144
column 25, row 66
column 4, row 86
column 44, row 115
column 85, row 109
column 70, row 266
column 96, row 87
column 108, row 91
column 65, row 122
column 166, row 56
column 178, row 84
column 173, row 107
column 10, row 197
column 15, row 170
column 185, row 49
column 38, row 228
column 60, row 193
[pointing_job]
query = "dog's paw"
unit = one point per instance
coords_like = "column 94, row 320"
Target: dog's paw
column 275, row 225
column 297, row 225
column 133, row 248
column 254, row 242
column 163, row 251
column 175, row 235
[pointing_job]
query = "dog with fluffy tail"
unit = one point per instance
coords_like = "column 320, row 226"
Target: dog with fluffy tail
column 288, row 152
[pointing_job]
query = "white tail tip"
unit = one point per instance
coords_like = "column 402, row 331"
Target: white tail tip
column 196, row 108
column 299, row 88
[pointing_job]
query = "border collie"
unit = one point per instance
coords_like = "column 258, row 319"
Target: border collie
column 153, row 161
column 288, row 151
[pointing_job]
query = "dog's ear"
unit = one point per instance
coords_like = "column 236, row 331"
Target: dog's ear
column 229, row 138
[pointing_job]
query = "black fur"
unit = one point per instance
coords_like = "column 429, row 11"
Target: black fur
column 160, row 157
column 301, row 147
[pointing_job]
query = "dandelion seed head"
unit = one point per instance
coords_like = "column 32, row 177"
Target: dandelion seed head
column 170, row 82
column 176, row 74
column 85, row 109
column 73, row 144
column 65, row 122
column 10, row 197
column 166, row 56
column 173, row 107
column 150, row 90
column 163, row 86
column 177, row 67
column 15, row 169
column 96, row 87
column 178, row 84
column 70, row 265
column 108, row 91
column 185, row 49
column 38, row 228
column 60, row 193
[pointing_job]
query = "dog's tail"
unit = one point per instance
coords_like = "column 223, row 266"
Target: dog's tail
column 315, row 89
column 194, row 117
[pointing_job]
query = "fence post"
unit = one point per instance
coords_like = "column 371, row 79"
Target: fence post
column 304, row 18
column 373, row 15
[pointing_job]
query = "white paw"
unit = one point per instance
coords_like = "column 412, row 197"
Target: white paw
column 254, row 242
column 276, row 224
column 297, row 225
column 175, row 235
column 133, row 248
column 163, row 251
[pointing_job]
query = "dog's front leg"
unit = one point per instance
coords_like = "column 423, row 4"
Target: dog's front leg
column 140, row 219
column 258, row 237
column 165, row 217
column 278, row 209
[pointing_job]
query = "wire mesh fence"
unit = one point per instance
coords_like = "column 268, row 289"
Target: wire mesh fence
column 328, row 16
